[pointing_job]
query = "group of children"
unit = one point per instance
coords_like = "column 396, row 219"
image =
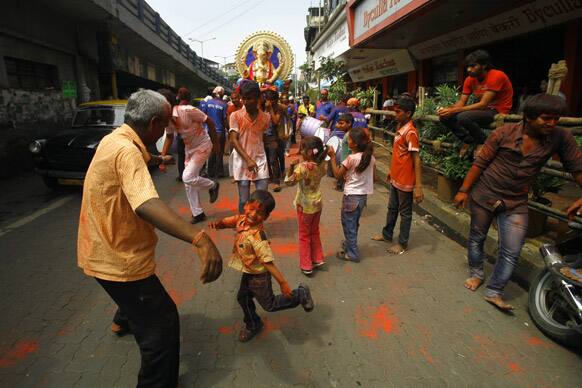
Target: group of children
column 353, row 164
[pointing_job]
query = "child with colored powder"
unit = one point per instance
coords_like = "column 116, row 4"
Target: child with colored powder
column 358, row 171
column 307, row 175
column 404, row 177
column 252, row 255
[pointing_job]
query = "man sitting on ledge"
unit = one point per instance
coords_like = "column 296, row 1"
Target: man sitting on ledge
column 495, row 93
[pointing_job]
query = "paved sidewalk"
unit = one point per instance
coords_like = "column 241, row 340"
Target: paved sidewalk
column 387, row 321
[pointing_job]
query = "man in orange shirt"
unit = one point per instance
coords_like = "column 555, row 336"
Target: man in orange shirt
column 117, row 240
column 404, row 177
column 494, row 91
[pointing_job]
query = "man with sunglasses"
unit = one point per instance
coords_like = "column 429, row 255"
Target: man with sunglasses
column 494, row 93
column 497, row 186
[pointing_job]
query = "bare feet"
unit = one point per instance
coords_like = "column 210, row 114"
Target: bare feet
column 379, row 237
column 396, row 249
column 473, row 283
column 499, row 303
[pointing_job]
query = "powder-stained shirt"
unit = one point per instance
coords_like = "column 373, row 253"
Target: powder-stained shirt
column 494, row 81
column 251, row 248
column 250, row 134
column 113, row 242
column 402, row 174
column 307, row 175
column 507, row 173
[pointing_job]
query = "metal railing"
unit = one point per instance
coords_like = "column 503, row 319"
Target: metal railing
column 553, row 168
column 152, row 20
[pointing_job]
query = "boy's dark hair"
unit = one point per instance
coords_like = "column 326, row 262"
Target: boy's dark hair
column 266, row 200
column 543, row 103
column 314, row 143
column 271, row 95
column 170, row 96
column 305, row 97
column 480, row 57
column 249, row 88
column 345, row 98
column 362, row 140
column 407, row 104
column 346, row 117
column 184, row 94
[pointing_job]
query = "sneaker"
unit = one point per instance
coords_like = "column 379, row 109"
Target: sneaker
column 306, row 300
column 199, row 218
column 307, row 272
column 214, row 192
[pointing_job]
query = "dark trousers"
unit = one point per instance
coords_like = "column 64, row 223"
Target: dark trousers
column 152, row 316
column 260, row 287
column 400, row 202
column 281, row 155
column 181, row 155
column 216, row 160
column 272, row 151
column 468, row 126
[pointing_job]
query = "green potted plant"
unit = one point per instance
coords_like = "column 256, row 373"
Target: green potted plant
column 454, row 170
column 542, row 185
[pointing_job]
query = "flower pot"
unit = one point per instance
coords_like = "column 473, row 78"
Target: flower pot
column 447, row 188
column 537, row 221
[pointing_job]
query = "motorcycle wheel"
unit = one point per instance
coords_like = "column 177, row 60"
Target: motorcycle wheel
column 551, row 312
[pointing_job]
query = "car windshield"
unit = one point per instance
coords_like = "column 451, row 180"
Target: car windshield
column 98, row 116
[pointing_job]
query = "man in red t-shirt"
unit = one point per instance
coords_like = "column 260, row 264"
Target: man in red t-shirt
column 494, row 91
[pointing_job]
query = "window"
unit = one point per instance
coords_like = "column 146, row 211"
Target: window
column 24, row 74
column 98, row 117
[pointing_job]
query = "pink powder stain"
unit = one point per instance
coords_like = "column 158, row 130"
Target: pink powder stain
column 494, row 352
column 179, row 296
column 184, row 210
column 18, row 353
column 373, row 320
column 276, row 323
column 347, row 269
column 424, row 351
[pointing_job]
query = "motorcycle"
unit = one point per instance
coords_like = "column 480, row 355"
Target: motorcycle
column 555, row 296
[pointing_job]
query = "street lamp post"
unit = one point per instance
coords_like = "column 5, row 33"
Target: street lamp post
column 223, row 59
column 201, row 44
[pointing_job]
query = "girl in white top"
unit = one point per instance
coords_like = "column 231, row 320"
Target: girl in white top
column 189, row 122
column 358, row 171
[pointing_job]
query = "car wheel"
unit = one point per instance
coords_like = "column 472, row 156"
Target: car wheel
column 51, row 182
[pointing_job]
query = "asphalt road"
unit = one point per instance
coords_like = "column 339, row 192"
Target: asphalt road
column 387, row 321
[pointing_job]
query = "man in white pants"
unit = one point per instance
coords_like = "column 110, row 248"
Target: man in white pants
column 189, row 121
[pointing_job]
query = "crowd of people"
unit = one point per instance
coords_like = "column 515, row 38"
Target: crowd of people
column 121, row 207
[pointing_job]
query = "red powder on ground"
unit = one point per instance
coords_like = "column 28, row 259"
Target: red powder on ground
column 290, row 249
column 426, row 355
column 283, row 214
column 18, row 353
column 184, row 210
column 225, row 329
column 514, row 368
column 226, row 203
column 374, row 320
column 183, row 295
column 347, row 269
column 535, row 341
column 275, row 323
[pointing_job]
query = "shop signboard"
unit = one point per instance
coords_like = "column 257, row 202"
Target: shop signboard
column 335, row 44
column 397, row 62
column 372, row 16
column 530, row 17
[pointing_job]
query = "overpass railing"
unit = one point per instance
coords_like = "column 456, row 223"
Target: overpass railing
column 553, row 168
column 152, row 20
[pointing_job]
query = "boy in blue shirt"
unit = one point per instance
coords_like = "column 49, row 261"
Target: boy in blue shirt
column 216, row 110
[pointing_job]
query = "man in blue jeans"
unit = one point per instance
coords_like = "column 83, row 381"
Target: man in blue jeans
column 510, row 159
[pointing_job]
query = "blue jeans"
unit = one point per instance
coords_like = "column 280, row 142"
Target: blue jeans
column 512, row 229
column 244, row 191
column 352, row 207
